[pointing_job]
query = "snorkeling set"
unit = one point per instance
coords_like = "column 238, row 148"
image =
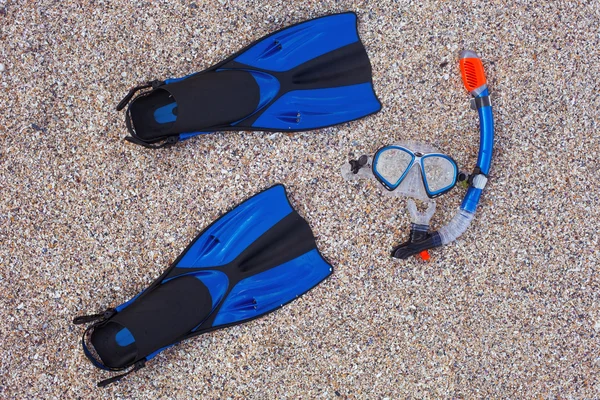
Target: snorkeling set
column 422, row 172
column 261, row 254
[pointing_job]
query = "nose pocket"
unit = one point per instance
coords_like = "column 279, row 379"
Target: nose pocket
column 412, row 184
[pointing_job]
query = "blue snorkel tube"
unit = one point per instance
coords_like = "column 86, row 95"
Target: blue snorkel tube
column 420, row 239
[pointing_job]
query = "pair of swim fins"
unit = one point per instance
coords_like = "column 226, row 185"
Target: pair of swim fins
column 262, row 254
column 307, row 76
column 254, row 259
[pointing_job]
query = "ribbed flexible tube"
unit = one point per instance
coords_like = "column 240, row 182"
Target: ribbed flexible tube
column 456, row 227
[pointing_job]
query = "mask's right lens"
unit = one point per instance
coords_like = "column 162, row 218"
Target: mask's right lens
column 440, row 174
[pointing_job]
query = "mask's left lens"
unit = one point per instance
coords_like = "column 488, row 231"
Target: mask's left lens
column 391, row 164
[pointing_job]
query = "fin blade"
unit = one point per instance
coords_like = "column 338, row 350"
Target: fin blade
column 295, row 45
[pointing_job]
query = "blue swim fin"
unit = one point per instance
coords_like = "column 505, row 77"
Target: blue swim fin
column 256, row 258
column 307, row 76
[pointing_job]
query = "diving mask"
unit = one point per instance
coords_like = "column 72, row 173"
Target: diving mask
column 408, row 169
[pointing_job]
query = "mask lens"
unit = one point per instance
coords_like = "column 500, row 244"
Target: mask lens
column 391, row 164
column 440, row 174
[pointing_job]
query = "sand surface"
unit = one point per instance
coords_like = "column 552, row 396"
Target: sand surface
column 510, row 310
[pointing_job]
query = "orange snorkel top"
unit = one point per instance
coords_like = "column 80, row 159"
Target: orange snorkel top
column 471, row 69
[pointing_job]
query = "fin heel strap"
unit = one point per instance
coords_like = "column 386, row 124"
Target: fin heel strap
column 167, row 142
column 136, row 367
column 84, row 319
column 150, row 84
column 100, row 319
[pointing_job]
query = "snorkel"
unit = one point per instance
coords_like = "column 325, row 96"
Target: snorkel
column 420, row 239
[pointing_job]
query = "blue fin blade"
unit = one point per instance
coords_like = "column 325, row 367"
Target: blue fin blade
column 224, row 240
column 308, row 109
column 273, row 288
column 300, row 43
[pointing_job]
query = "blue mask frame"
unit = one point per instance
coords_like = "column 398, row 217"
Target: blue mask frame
column 416, row 158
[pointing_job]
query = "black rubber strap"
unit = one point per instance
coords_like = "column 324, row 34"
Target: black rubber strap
column 168, row 142
column 151, row 84
column 84, row 319
column 88, row 353
column 101, row 319
column 137, row 366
